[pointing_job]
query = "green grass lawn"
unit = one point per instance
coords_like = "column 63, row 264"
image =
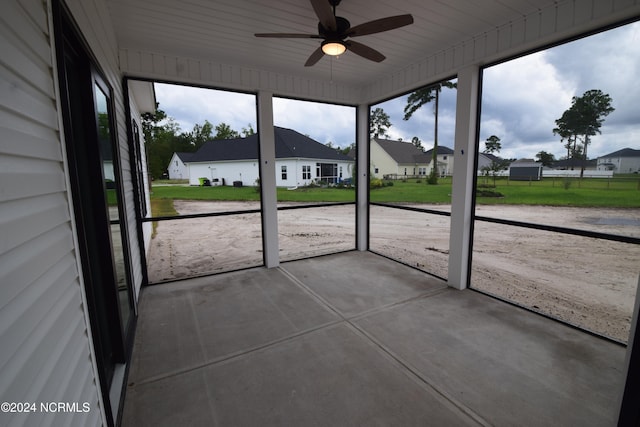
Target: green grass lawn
column 205, row 193
column 589, row 192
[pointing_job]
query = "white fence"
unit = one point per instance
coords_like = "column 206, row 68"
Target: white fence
column 551, row 173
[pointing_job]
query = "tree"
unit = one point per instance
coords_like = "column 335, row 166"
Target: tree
column 224, row 131
column 416, row 100
column 150, row 122
column 201, row 134
column 248, row 131
column 491, row 146
column 346, row 150
column 566, row 131
column 416, row 141
column 161, row 140
column 163, row 137
column 545, row 158
column 379, row 123
column 583, row 120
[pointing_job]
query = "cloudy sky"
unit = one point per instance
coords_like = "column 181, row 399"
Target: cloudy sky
column 521, row 100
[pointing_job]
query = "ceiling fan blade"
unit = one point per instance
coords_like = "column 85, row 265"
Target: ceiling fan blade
column 315, row 57
column 364, row 51
column 324, row 12
column 288, row 35
column 380, row 25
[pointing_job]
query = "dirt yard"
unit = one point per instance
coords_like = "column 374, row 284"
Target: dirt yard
column 587, row 282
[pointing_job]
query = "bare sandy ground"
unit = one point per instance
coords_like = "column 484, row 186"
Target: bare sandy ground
column 587, row 282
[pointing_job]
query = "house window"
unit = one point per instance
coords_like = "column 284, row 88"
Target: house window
column 405, row 171
column 444, row 157
column 306, row 172
column 284, row 173
column 340, row 172
column 375, row 171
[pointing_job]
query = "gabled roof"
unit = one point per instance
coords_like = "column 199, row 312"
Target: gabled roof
column 441, row 150
column 525, row 163
column 292, row 144
column 403, row 152
column 491, row 157
column 184, row 156
column 227, row 149
column 625, row 152
column 288, row 142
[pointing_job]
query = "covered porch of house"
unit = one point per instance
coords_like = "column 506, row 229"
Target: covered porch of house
column 358, row 339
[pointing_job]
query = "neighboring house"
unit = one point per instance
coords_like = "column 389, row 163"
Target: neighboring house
column 397, row 159
column 487, row 160
column 177, row 166
column 445, row 160
column 300, row 161
column 626, row 160
column 525, row 170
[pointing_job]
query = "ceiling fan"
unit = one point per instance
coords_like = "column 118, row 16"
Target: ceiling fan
column 334, row 30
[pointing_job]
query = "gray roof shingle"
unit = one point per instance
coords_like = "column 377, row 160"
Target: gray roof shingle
column 288, row 142
column 625, row 152
column 403, row 152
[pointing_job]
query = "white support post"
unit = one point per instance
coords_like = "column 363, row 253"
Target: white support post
column 362, row 160
column 463, row 177
column 268, row 195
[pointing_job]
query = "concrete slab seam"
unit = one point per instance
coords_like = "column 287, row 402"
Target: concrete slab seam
column 415, row 375
column 237, row 354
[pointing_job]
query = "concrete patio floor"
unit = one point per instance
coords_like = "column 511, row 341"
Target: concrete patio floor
column 355, row 339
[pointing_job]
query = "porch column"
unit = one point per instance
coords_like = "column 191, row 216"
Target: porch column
column 362, row 178
column 268, row 195
column 463, row 176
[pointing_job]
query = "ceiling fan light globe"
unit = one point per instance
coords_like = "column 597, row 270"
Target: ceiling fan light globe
column 333, row 48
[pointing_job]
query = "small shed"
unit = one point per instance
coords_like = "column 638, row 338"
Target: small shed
column 525, row 170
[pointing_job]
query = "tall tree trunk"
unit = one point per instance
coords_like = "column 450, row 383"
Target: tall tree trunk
column 584, row 155
column 434, row 155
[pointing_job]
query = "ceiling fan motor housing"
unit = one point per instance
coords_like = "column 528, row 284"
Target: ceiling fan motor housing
column 342, row 25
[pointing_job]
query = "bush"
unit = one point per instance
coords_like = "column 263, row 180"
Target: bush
column 376, row 183
column 488, row 193
column 388, row 183
column 566, row 183
column 433, row 179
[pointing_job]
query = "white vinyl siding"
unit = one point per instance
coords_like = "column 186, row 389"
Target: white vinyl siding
column 240, row 170
column 46, row 347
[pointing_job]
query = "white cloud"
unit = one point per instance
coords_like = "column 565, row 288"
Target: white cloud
column 322, row 122
column 190, row 105
column 528, row 94
column 521, row 100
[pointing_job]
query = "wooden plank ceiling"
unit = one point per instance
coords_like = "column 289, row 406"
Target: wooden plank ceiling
column 223, row 31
